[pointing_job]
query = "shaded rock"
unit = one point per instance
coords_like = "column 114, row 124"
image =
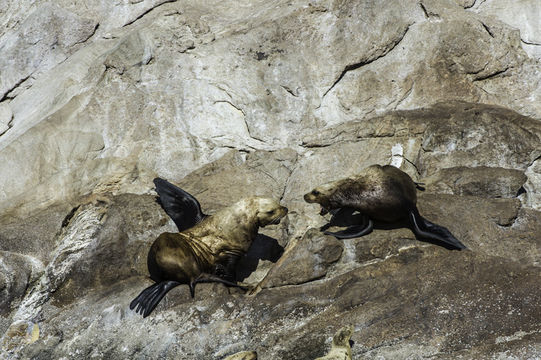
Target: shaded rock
column 20, row 233
column 416, row 303
column 128, row 226
column 237, row 175
column 495, row 221
column 303, row 261
column 479, row 181
column 465, row 3
column 18, row 273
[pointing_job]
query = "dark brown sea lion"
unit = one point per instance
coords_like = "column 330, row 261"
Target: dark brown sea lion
column 379, row 193
column 207, row 251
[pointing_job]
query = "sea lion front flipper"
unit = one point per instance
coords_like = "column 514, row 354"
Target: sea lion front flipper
column 340, row 217
column 354, row 231
column 182, row 207
column 433, row 231
column 147, row 300
column 209, row 278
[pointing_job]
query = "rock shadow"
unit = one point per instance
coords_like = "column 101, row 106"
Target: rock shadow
column 263, row 248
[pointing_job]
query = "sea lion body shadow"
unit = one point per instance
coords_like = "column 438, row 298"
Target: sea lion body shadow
column 206, row 251
column 379, row 193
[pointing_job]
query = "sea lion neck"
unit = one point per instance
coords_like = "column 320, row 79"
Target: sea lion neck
column 237, row 223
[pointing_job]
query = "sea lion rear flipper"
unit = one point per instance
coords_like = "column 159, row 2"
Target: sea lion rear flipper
column 354, row 231
column 147, row 300
column 426, row 229
column 182, row 207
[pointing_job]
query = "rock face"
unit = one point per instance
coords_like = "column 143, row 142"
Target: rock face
column 269, row 99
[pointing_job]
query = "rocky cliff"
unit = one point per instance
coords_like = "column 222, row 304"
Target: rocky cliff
column 269, row 98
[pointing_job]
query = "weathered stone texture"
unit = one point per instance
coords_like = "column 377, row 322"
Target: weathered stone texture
column 269, row 98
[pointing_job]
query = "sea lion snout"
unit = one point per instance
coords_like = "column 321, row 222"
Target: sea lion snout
column 282, row 211
column 312, row 196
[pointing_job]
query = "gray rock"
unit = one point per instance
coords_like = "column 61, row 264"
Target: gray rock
column 43, row 40
column 307, row 260
column 6, row 115
column 269, row 98
column 197, row 80
column 520, row 15
column 479, row 181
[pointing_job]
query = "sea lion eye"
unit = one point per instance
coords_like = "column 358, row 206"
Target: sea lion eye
column 270, row 212
column 315, row 192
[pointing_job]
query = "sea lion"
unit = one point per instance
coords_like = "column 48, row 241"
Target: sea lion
column 243, row 355
column 206, row 251
column 340, row 348
column 380, row 193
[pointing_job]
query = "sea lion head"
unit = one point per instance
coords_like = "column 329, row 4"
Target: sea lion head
column 342, row 336
column 268, row 211
column 321, row 195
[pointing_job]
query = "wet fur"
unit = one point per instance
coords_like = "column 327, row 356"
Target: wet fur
column 206, row 252
column 380, row 193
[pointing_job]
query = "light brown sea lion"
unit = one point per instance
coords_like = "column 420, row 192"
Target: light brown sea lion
column 379, row 193
column 243, row 355
column 206, row 252
column 340, row 350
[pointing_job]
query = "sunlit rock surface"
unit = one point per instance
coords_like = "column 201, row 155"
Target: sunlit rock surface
column 269, row 98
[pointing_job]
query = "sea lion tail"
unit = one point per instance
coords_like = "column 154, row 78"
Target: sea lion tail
column 426, row 229
column 147, row 300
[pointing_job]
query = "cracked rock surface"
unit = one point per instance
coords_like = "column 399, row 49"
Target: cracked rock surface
column 404, row 297
column 269, row 98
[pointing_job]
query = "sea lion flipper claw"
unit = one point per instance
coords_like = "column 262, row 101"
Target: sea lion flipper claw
column 181, row 206
column 353, row 231
column 142, row 296
column 426, row 229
